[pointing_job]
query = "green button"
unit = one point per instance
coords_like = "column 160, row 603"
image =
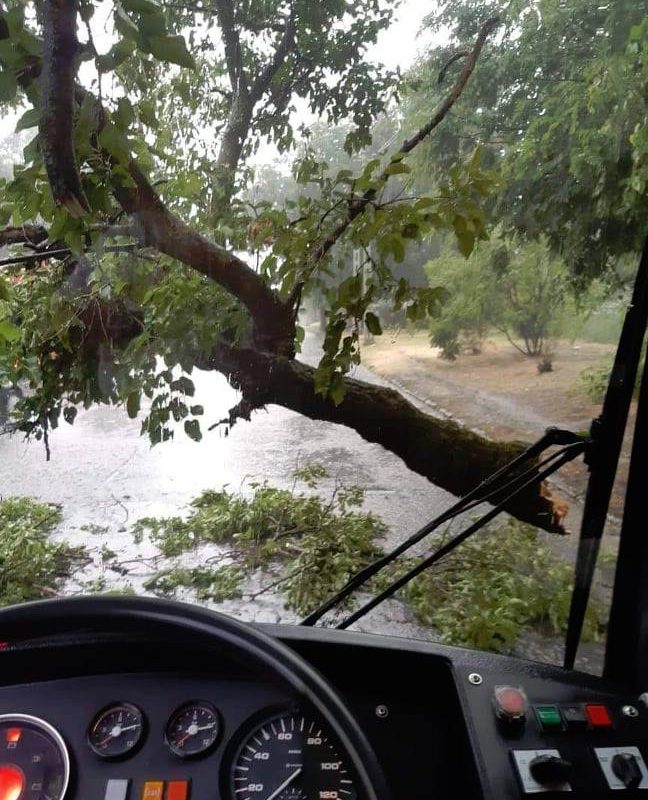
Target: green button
column 548, row 717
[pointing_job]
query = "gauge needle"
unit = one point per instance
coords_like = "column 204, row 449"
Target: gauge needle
column 287, row 782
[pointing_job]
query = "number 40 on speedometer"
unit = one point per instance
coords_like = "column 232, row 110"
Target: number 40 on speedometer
column 290, row 757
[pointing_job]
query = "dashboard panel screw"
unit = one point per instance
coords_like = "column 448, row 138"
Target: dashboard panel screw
column 382, row 712
column 475, row 678
column 630, row 711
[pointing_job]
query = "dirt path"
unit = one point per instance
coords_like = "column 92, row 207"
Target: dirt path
column 500, row 393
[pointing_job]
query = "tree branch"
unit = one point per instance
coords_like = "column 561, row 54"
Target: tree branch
column 232, row 42
column 455, row 93
column 56, row 124
column 446, row 453
column 262, row 82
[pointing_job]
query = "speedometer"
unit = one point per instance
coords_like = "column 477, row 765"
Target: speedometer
column 34, row 762
column 290, row 757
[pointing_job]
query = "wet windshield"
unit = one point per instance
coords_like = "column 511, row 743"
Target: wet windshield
column 280, row 281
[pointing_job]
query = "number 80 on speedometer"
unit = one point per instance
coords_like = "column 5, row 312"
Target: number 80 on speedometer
column 290, row 757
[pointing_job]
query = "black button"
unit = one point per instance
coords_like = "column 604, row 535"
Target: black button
column 574, row 716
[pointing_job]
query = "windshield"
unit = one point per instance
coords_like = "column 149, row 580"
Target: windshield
column 280, row 281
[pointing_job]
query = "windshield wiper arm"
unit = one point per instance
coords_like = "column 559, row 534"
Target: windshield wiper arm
column 489, row 488
column 560, row 458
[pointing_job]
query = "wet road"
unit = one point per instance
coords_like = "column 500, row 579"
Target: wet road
column 105, row 476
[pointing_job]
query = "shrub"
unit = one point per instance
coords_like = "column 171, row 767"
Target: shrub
column 31, row 565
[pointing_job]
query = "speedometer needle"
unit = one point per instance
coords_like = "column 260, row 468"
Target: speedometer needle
column 287, row 782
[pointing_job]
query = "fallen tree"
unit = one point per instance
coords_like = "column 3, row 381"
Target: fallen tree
column 98, row 340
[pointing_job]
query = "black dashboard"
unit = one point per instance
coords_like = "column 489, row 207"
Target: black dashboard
column 149, row 719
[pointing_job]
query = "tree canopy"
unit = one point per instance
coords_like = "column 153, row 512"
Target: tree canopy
column 559, row 107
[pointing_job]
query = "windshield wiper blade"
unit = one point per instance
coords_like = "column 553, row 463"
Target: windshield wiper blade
column 560, row 458
column 490, row 488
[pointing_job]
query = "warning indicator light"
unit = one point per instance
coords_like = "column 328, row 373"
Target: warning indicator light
column 12, row 782
column 12, row 736
column 510, row 704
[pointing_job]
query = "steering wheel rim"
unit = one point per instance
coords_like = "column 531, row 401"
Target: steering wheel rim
column 103, row 613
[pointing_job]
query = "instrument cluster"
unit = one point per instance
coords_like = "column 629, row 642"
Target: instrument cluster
column 276, row 754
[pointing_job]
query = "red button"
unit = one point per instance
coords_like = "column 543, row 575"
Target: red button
column 177, row 790
column 598, row 716
column 12, row 782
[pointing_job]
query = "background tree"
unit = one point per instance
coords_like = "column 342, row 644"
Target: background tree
column 517, row 288
column 559, row 107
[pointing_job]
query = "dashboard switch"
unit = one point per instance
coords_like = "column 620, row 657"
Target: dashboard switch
column 153, row 790
column 116, row 789
column 177, row 790
column 549, row 718
column 550, row 770
column 510, row 706
column 542, row 771
column 623, row 767
column 598, row 716
column 574, row 717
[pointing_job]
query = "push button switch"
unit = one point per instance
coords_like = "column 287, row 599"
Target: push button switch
column 574, row 717
column 549, row 718
column 116, row 789
column 598, row 716
column 153, row 790
column 177, row 790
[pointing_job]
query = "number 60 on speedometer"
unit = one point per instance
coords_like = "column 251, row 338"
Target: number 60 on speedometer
column 290, row 757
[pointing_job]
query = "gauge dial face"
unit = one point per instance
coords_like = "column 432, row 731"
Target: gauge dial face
column 193, row 729
column 34, row 762
column 116, row 731
column 290, row 757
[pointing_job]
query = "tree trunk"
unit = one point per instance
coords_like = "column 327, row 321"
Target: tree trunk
column 446, row 453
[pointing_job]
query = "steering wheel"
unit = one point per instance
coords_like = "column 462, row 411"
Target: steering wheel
column 110, row 614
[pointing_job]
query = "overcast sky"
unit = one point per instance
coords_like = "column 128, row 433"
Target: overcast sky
column 397, row 47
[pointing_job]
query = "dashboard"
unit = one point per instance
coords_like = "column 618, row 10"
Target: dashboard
column 115, row 717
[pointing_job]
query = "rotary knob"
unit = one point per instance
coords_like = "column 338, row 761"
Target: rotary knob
column 550, row 770
column 626, row 768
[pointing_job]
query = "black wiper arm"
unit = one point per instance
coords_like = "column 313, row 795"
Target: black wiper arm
column 560, row 458
column 491, row 487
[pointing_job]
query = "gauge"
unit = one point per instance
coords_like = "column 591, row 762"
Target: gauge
column 34, row 762
column 290, row 757
column 116, row 731
column 193, row 729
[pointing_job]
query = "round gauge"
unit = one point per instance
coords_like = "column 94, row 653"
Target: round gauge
column 193, row 729
column 34, row 762
column 116, row 731
column 290, row 757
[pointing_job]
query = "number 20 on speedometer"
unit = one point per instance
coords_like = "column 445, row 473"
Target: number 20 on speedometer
column 290, row 757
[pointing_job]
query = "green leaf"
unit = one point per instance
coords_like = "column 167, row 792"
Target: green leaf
column 142, row 6
column 171, row 49
column 115, row 57
column 28, row 120
column 5, row 292
column 114, row 141
column 8, row 331
column 125, row 114
column 151, row 25
column 373, row 324
column 133, row 404
column 184, row 385
column 125, row 25
column 147, row 113
column 8, row 86
column 192, row 429
column 398, row 168
column 197, row 411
